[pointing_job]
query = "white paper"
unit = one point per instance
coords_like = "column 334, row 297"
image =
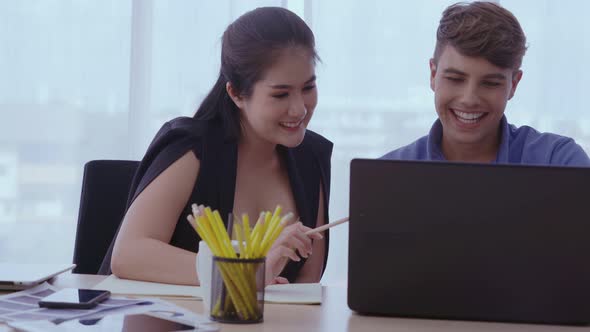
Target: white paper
column 280, row 293
column 115, row 318
column 134, row 287
column 24, row 305
column 293, row 293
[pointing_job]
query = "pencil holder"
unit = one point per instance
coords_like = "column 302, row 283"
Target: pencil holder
column 237, row 290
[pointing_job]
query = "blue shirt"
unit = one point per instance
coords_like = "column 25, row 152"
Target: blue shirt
column 523, row 145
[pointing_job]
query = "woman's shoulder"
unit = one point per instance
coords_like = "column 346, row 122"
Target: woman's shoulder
column 183, row 126
column 313, row 157
column 317, row 144
column 174, row 139
column 180, row 133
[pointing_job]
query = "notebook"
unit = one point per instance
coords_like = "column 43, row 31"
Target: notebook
column 470, row 241
column 17, row 276
column 281, row 293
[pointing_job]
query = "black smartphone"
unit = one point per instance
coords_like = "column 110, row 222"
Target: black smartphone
column 74, row 298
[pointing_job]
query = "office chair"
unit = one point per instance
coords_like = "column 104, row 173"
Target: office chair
column 105, row 188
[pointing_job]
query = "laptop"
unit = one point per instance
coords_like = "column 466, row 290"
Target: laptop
column 17, row 276
column 469, row 241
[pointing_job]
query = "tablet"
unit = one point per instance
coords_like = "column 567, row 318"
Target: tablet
column 17, row 276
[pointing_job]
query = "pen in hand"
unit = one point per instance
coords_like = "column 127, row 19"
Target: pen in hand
column 326, row 226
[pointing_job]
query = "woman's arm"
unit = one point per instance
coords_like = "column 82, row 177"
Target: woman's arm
column 312, row 269
column 142, row 250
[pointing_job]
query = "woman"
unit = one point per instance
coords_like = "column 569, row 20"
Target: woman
column 246, row 150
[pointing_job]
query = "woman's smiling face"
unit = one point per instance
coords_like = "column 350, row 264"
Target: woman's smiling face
column 283, row 101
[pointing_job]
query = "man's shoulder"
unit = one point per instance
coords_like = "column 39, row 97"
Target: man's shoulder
column 548, row 148
column 417, row 150
column 533, row 139
column 531, row 134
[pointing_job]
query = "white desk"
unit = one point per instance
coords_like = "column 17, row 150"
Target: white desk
column 332, row 315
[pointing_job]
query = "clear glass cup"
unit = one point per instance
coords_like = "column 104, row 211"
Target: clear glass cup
column 237, row 290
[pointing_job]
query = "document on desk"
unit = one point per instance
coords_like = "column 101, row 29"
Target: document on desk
column 114, row 319
column 23, row 305
column 286, row 293
column 294, row 293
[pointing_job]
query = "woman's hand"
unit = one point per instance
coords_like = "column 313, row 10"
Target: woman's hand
column 291, row 242
column 279, row 280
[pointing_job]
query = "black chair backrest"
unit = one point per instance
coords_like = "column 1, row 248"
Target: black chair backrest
column 105, row 188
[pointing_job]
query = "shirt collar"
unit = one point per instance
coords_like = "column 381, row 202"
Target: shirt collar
column 434, row 149
column 504, row 149
column 433, row 145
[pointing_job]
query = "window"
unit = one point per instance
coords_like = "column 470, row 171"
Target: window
column 86, row 79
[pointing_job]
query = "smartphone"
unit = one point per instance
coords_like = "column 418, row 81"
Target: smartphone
column 74, row 298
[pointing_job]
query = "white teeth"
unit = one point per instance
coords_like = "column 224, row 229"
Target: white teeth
column 291, row 124
column 468, row 117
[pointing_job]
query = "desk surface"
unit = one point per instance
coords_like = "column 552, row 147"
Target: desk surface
column 332, row 315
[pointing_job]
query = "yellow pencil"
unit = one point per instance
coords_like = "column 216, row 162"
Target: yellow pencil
column 246, row 224
column 253, row 242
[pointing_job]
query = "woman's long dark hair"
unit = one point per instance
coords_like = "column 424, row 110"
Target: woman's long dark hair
column 249, row 46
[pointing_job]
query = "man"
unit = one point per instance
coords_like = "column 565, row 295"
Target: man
column 474, row 72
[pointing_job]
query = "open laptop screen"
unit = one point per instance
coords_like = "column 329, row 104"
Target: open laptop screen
column 470, row 241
